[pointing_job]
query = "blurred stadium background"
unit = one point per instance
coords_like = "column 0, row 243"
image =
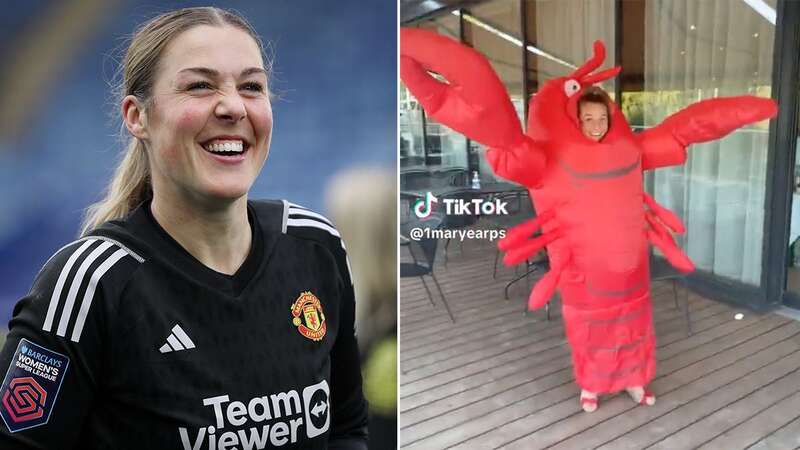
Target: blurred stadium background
column 335, row 74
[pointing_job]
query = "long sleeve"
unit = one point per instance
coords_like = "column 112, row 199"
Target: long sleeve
column 54, row 352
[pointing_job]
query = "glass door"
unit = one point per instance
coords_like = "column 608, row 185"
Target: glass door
column 793, row 259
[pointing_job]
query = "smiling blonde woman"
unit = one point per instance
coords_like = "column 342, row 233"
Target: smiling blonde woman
column 188, row 316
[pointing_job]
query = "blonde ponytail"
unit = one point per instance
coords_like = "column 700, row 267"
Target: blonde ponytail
column 129, row 187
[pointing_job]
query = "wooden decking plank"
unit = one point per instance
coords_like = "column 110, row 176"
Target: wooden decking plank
column 419, row 356
column 673, row 332
column 476, row 348
column 692, row 424
column 449, row 397
column 475, row 293
column 527, row 431
column 416, row 410
column 412, row 351
column 765, row 423
column 506, row 314
column 495, row 310
column 451, row 360
column 485, row 398
column 464, row 296
column 618, row 415
column 787, row 436
column 440, row 329
column 724, row 327
column 495, row 427
column 518, row 375
column 540, row 351
column 465, row 317
column 464, row 334
column 498, row 359
column 517, row 347
column 545, row 391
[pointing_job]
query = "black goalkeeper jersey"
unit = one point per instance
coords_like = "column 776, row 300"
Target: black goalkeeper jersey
column 127, row 341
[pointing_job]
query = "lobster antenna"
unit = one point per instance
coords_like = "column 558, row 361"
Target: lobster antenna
column 600, row 76
column 593, row 63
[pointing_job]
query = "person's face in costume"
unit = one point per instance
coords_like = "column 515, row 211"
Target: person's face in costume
column 209, row 126
column 594, row 120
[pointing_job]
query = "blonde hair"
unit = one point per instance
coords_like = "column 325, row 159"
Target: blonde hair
column 363, row 205
column 130, row 185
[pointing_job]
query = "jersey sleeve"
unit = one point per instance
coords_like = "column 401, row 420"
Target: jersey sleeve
column 349, row 409
column 53, row 357
column 348, row 405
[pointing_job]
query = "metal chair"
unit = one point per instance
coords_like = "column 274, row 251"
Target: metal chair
column 407, row 202
column 427, row 246
column 520, row 209
column 660, row 270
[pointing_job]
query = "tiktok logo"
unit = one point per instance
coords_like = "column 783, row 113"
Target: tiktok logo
column 424, row 208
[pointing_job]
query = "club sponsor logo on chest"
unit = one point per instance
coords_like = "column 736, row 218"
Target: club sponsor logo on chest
column 267, row 421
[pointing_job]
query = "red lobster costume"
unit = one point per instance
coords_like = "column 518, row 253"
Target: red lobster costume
column 595, row 218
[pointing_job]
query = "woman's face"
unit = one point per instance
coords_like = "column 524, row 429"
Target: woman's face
column 594, row 120
column 208, row 129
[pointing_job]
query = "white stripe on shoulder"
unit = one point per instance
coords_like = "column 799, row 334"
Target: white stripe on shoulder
column 89, row 295
column 102, row 238
column 313, row 224
column 285, row 216
column 309, row 213
column 76, row 284
column 118, row 244
column 316, row 221
column 295, row 205
column 72, row 283
column 349, row 270
column 62, row 277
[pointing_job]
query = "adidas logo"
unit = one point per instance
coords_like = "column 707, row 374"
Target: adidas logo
column 177, row 340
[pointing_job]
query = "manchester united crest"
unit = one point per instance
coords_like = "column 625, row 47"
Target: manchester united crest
column 308, row 316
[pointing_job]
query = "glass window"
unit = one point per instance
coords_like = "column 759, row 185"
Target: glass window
column 561, row 34
column 412, row 151
column 436, row 159
column 494, row 29
column 695, row 50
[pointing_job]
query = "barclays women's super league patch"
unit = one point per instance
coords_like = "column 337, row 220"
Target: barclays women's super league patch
column 31, row 386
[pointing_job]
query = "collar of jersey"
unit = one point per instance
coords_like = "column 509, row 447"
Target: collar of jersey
column 177, row 256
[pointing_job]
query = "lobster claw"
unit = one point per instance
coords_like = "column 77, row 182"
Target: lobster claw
column 714, row 118
column 473, row 101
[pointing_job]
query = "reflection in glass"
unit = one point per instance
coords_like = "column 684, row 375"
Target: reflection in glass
column 412, row 151
column 793, row 263
column 567, row 29
column 432, row 156
column 694, row 51
column 493, row 28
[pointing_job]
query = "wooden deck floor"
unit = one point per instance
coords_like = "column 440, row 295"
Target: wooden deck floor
column 499, row 379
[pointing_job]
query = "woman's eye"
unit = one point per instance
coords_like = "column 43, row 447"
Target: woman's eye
column 198, row 85
column 253, row 86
